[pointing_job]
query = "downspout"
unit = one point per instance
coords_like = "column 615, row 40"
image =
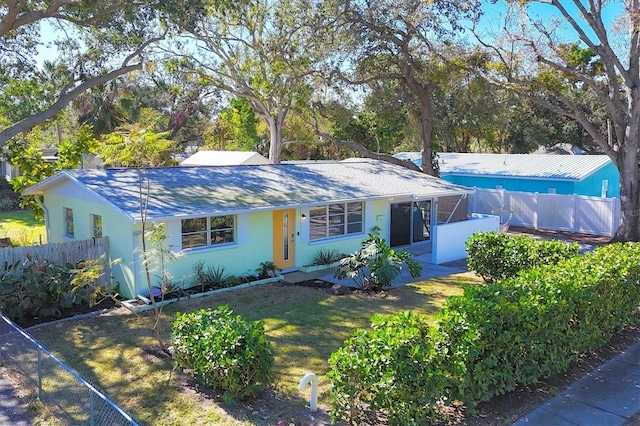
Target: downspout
column 46, row 217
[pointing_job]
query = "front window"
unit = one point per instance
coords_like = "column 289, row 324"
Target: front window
column 96, row 226
column 68, row 222
column 208, row 231
column 335, row 220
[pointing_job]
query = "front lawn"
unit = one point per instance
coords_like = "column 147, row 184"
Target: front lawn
column 117, row 350
column 22, row 228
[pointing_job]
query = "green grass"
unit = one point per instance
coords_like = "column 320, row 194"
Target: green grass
column 305, row 326
column 22, row 228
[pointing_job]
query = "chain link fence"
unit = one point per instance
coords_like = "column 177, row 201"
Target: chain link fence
column 72, row 399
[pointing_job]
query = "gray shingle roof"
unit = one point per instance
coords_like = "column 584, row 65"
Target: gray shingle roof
column 197, row 191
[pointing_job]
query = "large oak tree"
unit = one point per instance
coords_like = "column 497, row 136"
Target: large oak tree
column 394, row 39
column 576, row 55
column 94, row 43
column 262, row 51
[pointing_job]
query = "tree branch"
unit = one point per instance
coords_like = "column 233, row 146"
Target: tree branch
column 28, row 123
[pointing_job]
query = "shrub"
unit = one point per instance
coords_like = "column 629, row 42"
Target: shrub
column 535, row 324
column 266, row 269
column 223, row 351
column 31, row 288
column 211, row 277
column 488, row 341
column 376, row 265
column 326, row 257
column 394, row 368
column 9, row 198
column 495, row 256
column 8, row 204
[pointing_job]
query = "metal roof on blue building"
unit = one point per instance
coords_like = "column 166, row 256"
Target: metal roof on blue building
column 533, row 166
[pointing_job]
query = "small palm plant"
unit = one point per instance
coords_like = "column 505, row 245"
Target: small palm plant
column 376, row 265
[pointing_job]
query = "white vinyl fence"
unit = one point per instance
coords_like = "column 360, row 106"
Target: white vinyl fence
column 556, row 212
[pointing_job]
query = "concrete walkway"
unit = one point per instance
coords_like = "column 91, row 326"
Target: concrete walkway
column 609, row 396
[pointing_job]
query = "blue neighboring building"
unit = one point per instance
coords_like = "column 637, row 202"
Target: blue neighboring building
column 588, row 175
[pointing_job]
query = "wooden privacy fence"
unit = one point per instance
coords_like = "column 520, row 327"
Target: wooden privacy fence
column 573, row 213
column 62, row 253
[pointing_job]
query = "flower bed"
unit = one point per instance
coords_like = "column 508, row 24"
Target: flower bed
column 142, row 303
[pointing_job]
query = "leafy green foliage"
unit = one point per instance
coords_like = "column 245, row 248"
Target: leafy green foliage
column 210, row 277
column 31, row 288
column 395, row 367
column 326, row 257
column 376, row 265
column 496, row 256
column 490, row 340
column 266, row 269
column 237, row 125
column 521, row 329
column 133, row 146
column 223, row 351
column 33, row 168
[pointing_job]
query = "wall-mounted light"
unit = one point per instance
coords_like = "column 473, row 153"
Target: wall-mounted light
column 304, row 216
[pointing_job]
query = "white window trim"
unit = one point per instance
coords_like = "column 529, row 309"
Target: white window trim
column 345, row 224
column 208, row 245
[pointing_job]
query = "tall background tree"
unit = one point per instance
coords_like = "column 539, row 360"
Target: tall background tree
column 393, row 40
column 94, row 42
column 579, row 54
column 263, row 52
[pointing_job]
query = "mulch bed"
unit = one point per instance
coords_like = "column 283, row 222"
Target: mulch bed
column 67, row 313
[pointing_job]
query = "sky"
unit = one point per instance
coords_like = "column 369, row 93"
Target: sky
column 494, row 14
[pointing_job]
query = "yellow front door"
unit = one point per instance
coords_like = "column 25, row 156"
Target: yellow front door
column 283, row 237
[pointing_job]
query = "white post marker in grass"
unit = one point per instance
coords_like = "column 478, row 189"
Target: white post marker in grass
column 313, row 379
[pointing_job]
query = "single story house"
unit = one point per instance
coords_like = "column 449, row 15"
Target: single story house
column 225, row 158
column 588, row 175
column 241, row 216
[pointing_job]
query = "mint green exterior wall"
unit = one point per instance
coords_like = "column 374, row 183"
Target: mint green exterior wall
column 114, row 225
column 254, row 239
column 375, row 213
column 253, row 245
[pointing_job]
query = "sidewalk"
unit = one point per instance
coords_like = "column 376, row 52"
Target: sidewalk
column 609, row 396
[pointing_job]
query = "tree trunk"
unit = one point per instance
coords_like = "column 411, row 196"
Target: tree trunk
column 423, row 95
column 629, row 229
column 426, row 129
column 628, row 168
column 275, row 130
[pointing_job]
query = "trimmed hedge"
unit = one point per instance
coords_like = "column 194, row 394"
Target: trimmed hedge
column 495, row 256
column 537, row 323
column 223, row 351
column 392, row 368
column 499, row 336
